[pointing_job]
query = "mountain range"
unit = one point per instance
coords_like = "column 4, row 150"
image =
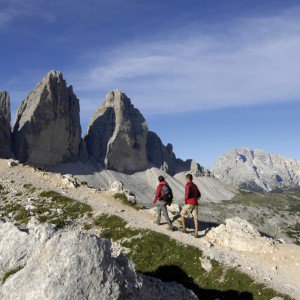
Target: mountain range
column 256, row 170
column 117, row 145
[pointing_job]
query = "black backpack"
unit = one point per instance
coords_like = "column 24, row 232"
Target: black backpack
column 168, row 194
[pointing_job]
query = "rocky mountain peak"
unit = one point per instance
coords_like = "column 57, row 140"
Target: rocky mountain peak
column 5, row 130
column 47, row 129
column 117, row 133
column 256, row 170
column 5, row 105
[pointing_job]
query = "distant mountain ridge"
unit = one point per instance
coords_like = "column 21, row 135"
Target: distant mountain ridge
column 257, row 170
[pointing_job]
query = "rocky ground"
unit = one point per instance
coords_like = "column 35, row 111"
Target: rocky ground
column 27, row 192
column 275, row 214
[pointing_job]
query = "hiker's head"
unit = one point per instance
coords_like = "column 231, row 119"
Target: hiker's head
column 189, row 177
column 161, row 178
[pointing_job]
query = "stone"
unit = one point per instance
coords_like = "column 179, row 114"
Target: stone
column 240, row 235
column 117, row 134
column 47, row 130
column 5, row 129
column 72, row 264
column 13, row 163
column 164, row 158
column 206, row 264
column 256, row 170
column 116, row 187
column 70, row 182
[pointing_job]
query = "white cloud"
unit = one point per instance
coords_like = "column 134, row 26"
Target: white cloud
column 253, row 61
column 13, row 9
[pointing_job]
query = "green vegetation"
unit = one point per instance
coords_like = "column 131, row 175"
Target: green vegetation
column 70, row 209
column 293, row 232
column 123, row 198
column 50, row 207
column 159, row 256
column 29, row 187
column 10, row 273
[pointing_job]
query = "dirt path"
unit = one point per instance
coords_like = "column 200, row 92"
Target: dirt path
column 279, row 270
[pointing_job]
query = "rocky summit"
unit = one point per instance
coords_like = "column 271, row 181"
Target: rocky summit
column 5, row 130
column 257, row 170
column 47, row 130
column 164, row 158
column 117, row 134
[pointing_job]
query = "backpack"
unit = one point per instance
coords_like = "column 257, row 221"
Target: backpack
column 168, row 194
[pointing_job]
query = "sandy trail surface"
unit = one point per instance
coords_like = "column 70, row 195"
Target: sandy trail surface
column 279, row 270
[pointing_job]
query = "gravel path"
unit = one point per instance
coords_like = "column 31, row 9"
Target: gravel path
column 279, row 270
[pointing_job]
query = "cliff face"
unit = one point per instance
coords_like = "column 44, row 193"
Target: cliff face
column 116, row 135
column 5, row 130
column 47, row 129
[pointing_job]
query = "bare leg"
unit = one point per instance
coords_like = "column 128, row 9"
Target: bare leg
column 183, row 222
column 196, row 225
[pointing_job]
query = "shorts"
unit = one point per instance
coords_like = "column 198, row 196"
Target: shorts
column 189, row 209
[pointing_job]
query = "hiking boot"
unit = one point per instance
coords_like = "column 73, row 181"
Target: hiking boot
column 183, row 229
column 171, row 228
column 156, row 222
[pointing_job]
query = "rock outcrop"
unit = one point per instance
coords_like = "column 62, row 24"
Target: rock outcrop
column 45, row 264
column 164, row 158
column 240, row 235
column 5, row 130
column 117, row 134
column 47, row 129
column 256, row 170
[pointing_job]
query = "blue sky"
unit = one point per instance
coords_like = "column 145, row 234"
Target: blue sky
column 207, row 75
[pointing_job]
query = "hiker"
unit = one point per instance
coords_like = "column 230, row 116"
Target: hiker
column 164, row 196
column 192, row 194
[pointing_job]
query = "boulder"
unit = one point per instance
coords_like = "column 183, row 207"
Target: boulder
column 164, row 158
column 70, row 182
column 5, row 130
column 116, row 187
column 72, row 264
column 47, row 130
column 238, row 234
column 116, row 135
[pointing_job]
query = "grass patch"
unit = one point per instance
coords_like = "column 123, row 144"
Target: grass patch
column 159, row 256
column 50, row 207
column 10, row 273
column 294, row 233
column 29, row 187
column 71, row 208
column 123, row 198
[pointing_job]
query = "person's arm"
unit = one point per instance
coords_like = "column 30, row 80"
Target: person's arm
column 158, row 191
column 186, row 196
column 198, row 193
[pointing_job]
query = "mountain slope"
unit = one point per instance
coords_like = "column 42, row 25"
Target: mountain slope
column 256, row 170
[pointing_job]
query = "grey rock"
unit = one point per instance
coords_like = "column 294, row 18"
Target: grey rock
column 238, row 234
column 256, row 170
column 82, row 152
column 47, row 130
column 5, row 130
column 75, row 265
column 163, row 157
column 116, row 135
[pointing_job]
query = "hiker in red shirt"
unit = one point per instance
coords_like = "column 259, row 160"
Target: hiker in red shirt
column 164, row 196
column 192, row 194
